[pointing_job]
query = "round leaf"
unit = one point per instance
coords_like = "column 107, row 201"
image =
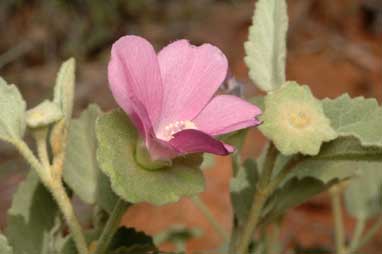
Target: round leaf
column 117, row 139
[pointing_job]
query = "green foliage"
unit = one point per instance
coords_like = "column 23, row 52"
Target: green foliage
column 363, row 196
column 64, row 88
column 117, row 138
column 358, row 117
column 81, row 171
column 266, row 45
column 243, row 187
column 295, row 121
column 4, row 246
column 293, row 193
column 31, row 218
column 43, row 114
column 12, row 113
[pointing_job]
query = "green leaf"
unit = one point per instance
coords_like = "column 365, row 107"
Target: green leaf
column 295, row 121
column 117, row 140
column 64, row 88
column 4, row 246
column 31, row 218
column 43, row 114
column 363, row 196
column 339, row 159
column 293, row 193
column 358, row 117
column 266, row 45
column 129, row 241
column 81, row 171
column 243, row 187
column 12, row 113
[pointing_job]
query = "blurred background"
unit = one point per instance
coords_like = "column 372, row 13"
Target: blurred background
column 335, row 46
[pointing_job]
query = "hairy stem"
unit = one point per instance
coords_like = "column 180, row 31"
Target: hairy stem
column 67, row 210
column 259, row 199
column 111, row 226
column 338, row 220
column 211, row 219
column 58, row 192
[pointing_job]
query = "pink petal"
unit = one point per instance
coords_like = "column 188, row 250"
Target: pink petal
column 191, row 75
column 135, row 80
column 226, row 113
column 194, row 141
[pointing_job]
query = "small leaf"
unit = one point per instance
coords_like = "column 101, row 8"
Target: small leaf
column 31, row 218
column 117, row 140
column 266, row 45
column 43, row 114
column 81, row 171
column 12, row 113
column 4, row 246
column 358, row 117
column 64, row 89
column 243, row 187
column 295, row 121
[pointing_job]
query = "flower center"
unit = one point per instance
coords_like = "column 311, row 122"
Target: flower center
column 299, row 120
column 172, row 128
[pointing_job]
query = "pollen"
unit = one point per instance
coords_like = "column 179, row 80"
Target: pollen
column 299, row 120
column 168, row 132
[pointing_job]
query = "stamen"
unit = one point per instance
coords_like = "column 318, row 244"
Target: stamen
column 168, row 132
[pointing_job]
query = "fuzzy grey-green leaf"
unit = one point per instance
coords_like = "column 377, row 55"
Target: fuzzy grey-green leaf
column 81, row 171
column 363, row 196
column 64, row 88
column 31, row 218
column 4, row 246
column 12, row 113
column 266, row 45
column 117, row 138
column 357, row 117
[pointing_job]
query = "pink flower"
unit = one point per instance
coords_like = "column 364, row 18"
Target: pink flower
column 170, row 96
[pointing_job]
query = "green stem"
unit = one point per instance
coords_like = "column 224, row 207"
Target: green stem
column 338, row 220
column 369, row 234
column 261, row 196
column 67, row 210
column 111, row 226
column 259, row 199
column 211, row 219
column 269, row 164
column 250, row 228
column 59, row 194
column 359, row 228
